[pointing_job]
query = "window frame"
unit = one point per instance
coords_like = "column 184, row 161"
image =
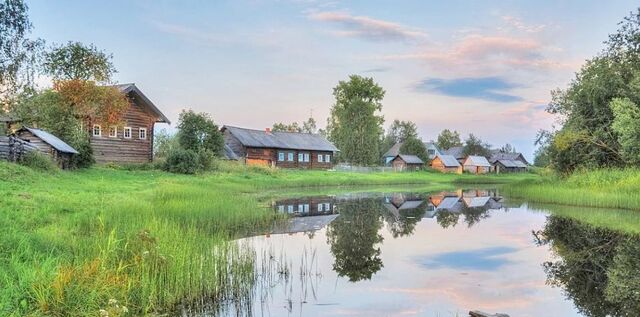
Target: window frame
column 115, row 131
column 290, row 157
column 307, row 157
column 327, row 158
column 280, row 156
column 140, row 133
column 93, row 130
column 124, row 132
column 320, row 207
column 320, row 158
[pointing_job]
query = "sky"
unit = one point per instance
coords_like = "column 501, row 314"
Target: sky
column 482, row 67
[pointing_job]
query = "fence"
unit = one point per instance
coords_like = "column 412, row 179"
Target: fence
column 12, row 148
column 342, row 167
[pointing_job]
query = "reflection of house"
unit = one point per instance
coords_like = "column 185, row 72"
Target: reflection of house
column 476, row 164
column 398, row 203
column 48, row 144
column 312, row 206
column 446, row 163
column 476, row 202
column 458, row 201
column 403, row 162
column 304, row 224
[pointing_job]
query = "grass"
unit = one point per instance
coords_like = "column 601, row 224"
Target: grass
column 118, row 242
column 604, row 188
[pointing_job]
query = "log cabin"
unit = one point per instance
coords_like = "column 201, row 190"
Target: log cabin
column 515, row 156
column 476, row 164
column 280, row 149
column 403, row 162
column 131, row 141
column 48, row 144
column 446, row 164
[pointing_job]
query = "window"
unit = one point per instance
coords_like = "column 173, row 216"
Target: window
column 290, row 209
column 300, row 157
column 306, row 157
column 320, row 207
column 300, row 208
column 327, row 158
column 97, row 131
column 327, row 207
column 431, row 152
column 290, row 157
column 113, row 132
column 306, row 208
column 127, row 132
column 281, row 208
column 280, row 156
column 320, row 158
column 143, row 133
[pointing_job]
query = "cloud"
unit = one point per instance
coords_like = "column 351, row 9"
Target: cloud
column 486, row 259
column 485, row 88
column 377, row 70
column 368, row 28
column 517, row 24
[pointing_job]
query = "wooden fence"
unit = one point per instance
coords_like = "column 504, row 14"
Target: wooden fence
column 12, row 148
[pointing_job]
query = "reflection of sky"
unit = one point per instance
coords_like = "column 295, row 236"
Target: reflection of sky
column 493, row 266
column 481, row 259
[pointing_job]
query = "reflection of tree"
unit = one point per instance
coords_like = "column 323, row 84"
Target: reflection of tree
column 354, row 239
column 474, row 215
column 598, row 268
column 447, row 219
column 405, row 224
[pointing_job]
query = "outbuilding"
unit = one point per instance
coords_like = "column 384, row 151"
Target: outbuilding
column 404, row 162
column 446, row 164
column 476, row 164
column 48, row 144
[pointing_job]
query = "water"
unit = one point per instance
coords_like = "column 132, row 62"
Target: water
column 436, row 254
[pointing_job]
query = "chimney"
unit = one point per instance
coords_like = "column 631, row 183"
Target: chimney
column 267, row 130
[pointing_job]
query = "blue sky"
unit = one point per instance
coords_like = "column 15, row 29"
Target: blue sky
column 484, row 67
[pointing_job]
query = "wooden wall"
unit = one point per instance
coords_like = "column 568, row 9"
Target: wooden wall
column 269, row 157
column 437, row 164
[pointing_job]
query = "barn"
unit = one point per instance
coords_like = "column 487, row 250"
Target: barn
column 446, row 164
column 280, row 149
column 476, row 164
column 404, row 162
column 48, row 144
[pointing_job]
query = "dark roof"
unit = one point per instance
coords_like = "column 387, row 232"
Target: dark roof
column 409, row 159
column 393, row 151
column 52, row 140
column 519, row 163
column 456, row 151
column 449, row 160
column 497, row 155
column 131, row 88
column 281, row 140
column 475, row 160
column 507, row 163
column 431, row 143
column 229, row 154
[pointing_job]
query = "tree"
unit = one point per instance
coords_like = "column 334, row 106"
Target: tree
column 415, row 146
column 398, row 132
column 197, row 132
column 475, row 146
column 507, row 148
column 18, row 53
column 448, row 139
column 354, row 125
column 282, row 127
column 77, row 61
column 163, row 144
column 626, row 124
column 309, row 126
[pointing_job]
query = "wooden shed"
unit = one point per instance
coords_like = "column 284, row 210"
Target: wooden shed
column 476, row 164
column 404, row 162
column 446, row 164
column 48, row 144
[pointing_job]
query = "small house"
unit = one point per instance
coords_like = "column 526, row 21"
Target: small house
column 391, row 154
column 476, row 164
column 48, row 144
column 497, row 155
column 432, row 150
column 279, row 149
column 457, row 152
column 446, row 164
column 404, row 162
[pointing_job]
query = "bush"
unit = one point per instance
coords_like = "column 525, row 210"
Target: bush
column 85, row 157
column 182, row 161
column 205, row 160
column 38, row 161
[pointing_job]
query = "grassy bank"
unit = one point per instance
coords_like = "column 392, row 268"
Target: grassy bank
column 606, row 188
column 75, row 243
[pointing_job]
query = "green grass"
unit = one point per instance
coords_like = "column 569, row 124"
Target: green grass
column 77, row 242
column 604, row 188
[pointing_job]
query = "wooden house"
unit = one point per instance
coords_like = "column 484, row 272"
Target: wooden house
column 432, row 151
column 497, row 155
column 403, row 162
column 48, row 144
column 446, row 164
column 508, row 166
column 476, row 164
column 280, row 149
column 457, row 152
column 130, row 141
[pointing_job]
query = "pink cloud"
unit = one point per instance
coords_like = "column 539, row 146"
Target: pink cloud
column 517, row 24
column 368, row 28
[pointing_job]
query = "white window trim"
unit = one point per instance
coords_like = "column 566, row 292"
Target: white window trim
column 115, row 129
column 93, row 131
column 124, row 132
column 306, row 157
column 280, row 156
column 140, row 133
column 320, row 158
column 290, row 157
column 327, row 158
column 300, row 157
column 320, row 207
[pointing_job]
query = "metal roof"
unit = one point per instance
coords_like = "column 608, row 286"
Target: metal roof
column 393, row 151
column 497, row 155
column 131, row 88
column 449, row 203
column 281, row 140
column 507, row 163
column 476, row 160
column 456, row 151
column 519, row 163
column 52, row 140
column 449, row 160
column 410, row 159
column 229, row 154
column 475, row 202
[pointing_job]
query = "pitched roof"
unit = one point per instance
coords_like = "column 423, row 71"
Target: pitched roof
column 410, row 159
column 131, row 88
column 52, row 140
column 393, row 151
column 281, row 140
column 229, row 154
column 497, row 155
column 456, row 151
column 449, row 203
column 449, row 160
column 475, row 202
column 431, row 144
column 476, row 160
column 520, row 164
column 507, row 163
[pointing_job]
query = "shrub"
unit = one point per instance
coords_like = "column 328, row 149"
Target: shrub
column 38, row 161
column 182, row 161
column 85, row 157
column 205, row 160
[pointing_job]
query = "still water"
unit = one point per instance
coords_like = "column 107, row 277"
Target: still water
column 435, row 254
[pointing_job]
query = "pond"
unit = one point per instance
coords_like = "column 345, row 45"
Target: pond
column 436, row 254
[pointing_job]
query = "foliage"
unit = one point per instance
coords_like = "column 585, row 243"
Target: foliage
column 308, row 126
column 182, row 161
column 92, row 103
column 76, row 61
column 507, row 148
column 163, row 144
column 448, row 139
column 475, row 146
column 415, row 146
column 80, row 142
column 398, row 132
column 541, row 157
column 354, row 125
column 38, row 161
column 626, row 124
column 198, row 132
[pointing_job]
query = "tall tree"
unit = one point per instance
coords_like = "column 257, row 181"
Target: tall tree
column 508, row 148
column 448, row 139
column 355, row 125
column 309, row 126
column 398, row 132
column 283, row 127
column 626, row 124
column 197, row 132
column 76, row 61
column 415, row 146
column 475, row 146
